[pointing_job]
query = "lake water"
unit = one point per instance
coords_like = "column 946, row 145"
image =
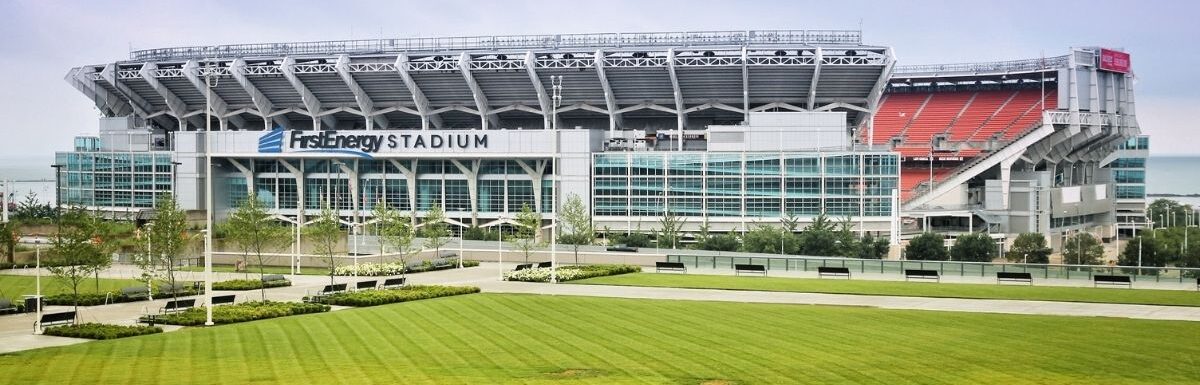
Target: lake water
column 1164, row 175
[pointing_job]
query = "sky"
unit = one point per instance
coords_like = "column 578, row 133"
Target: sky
column 40, row 40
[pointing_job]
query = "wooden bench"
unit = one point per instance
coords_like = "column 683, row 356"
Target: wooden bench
column 177, row 305
column 365, row 285
column 545, row 265
column 393, row 283
column 272, row 278
column 1112, row 280
column 738, row 269
column 1012, row 276
column 51, row 319
column 922, row 274
column 135, row 292
column 670, row 266
column 524, row 266
column 833, row 271
column 224, row 299
column 622, row 248
column 6, row 306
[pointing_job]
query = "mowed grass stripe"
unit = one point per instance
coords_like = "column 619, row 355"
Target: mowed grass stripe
column 908, row 289
column 671, row 342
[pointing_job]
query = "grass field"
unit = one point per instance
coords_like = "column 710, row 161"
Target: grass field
column 913, row 289
column 493, row 338
column 14, row 286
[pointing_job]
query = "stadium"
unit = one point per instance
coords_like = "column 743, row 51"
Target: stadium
column 725, row 129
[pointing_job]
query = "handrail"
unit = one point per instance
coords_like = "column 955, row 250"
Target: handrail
column 1022, row 65
column 507, row 42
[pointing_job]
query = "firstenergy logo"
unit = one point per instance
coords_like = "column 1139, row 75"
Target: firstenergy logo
column 364, row 144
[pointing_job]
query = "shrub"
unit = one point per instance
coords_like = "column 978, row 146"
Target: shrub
column 95, row 299
column 97, row 331
column 242, row 312
column 381, row 269
column 402, row 294
column 570, row 273
column 248, row 284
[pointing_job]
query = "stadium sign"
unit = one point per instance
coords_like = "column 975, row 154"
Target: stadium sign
column 363, row 144
column 1115, row 61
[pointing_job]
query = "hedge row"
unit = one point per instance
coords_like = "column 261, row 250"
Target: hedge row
column 97, row 331
column 248, row 284
column 242, row 312
column 570, row 273
column 402, row 294
column 370, row 269
column 94, row 299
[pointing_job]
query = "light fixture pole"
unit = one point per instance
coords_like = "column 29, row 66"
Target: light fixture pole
column 556, row 82
column 208, row 198
column 38, row 293
column 500, row 245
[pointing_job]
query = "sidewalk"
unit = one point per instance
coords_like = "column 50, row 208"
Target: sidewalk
column 16, row 330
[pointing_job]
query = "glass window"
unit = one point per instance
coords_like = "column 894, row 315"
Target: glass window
column 724, row 207
column 548, row 199
column 877, row 207
column 842, row 206
column 798, row 165
column 881, row 165
column 803, row 187
column 724, row 186
column 236, row 186
column 686, row 164
column 691, row 207
column 762, row 187
column 879, row 186
column 646, row 206
column 520, row 193
column 429, row 192
column 842, row 187
column 609, row 186
column 647, row 164
column 287, row 195
column 611, row 164
column 396, row 194
column 762, row 165
column 802, row 206
column 841, row 165
column 645, row 186
column 685, row 186
column 491, row 195
column 1131, row 191
column 762, row 207
column 1129, row 176
column 458, row 197
column 612, row 206
column 724, row 164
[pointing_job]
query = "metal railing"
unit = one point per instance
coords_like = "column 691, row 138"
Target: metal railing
column 509, row 42
column 1023, row 65
column 946, row 268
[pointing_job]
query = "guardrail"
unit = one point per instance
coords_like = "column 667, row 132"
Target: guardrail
column 511, row 42
column 1023, row 65
column 947, row 268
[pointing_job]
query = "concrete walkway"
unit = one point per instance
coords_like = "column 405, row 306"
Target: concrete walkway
column 16, row 331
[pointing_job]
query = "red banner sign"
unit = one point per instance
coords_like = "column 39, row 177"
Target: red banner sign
column 1115, row 61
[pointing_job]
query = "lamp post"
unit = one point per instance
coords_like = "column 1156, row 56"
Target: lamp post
column 208, row 198
column 38, row 280
column 500, row 246
column 557, row 100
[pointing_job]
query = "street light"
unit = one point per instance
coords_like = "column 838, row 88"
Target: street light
column 208, row 198
column 38, row 293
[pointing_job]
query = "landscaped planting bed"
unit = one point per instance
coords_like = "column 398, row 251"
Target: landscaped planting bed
column 98, row 331
column 242, row 312
column 370, row 269
column 401, row 294
column 248, row 284
column 94, row 299
column 570, row 272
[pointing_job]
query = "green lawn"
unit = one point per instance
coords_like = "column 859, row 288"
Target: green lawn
column 14, row 286
column 913, row 289
column 494, row 338
column 254, row 269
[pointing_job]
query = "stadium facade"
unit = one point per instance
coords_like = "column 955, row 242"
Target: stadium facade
column 725, row 128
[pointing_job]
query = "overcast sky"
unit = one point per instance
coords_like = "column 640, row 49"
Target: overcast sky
column 41, row 40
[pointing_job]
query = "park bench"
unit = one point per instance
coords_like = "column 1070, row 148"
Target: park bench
column 365, row 285
column 545, row 265
column 168, row 289
column 670, row 266
column 51, row 319
column 272, row 278
column 833, row 271
column 622, row 248
column 524, row 266
column 393, row 283
column 228, row 299
column 135, row 292
column 442, row 263
column 325, row 291
column 6, row 306
column 1012, row 276
column 922, row 274
column 1112, row 280
column 178, row 305
column 749, row 269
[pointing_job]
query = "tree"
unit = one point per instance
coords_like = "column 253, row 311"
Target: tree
column 927, row 247
column 871, row 248
column 668, row 230
column 253, row 230
column 819, row 238
column 397, row 231
column 1143, row 251
column 1029, row 248
column 383, row 217
column 168, row 238
column 763, row 238
column 78, row 250
column 577, row 224
column 30, row 208
column 1082, row 249
column 9, row 236
column 325, row 232
column 529, row 224
column 1166, row 211
column 476, row 233
column 435, row 230
column 706, row 240
column 973, row 247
